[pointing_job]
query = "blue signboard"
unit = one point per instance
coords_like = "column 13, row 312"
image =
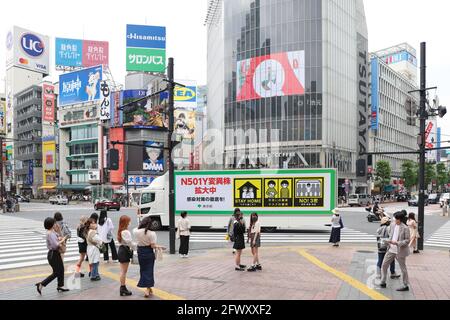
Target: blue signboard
column 375, row 101
column 68, row 52
column 146, row 37
column 30, row 177
column 80, row 86
column 439, row 143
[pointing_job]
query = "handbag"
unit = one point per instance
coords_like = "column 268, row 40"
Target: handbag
column 341, row 223
column 102, row 248
column 62, row 247
column 159, row 254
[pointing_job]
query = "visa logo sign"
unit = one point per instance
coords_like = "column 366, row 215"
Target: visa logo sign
column 186, row 94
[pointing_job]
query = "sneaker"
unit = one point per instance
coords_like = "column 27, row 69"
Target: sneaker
column 395, row 276
column 96, row 278
column 252, row 269
column 258, row 267
column 382, row 285
column 239, row 269
column 243, row 266
column 406, row 288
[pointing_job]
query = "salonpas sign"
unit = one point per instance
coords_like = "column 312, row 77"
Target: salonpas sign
column 300, row 192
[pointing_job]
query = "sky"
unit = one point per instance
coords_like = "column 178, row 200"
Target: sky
column 390, row 22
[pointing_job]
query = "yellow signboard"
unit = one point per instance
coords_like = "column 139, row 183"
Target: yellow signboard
column 49, row 163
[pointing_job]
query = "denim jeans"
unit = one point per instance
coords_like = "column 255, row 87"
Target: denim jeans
column 94, row 271
column 380, row 262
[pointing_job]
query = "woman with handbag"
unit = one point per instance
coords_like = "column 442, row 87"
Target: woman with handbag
column 127, row 246
column 336, row 227
column 105, row 230
column 146, row 246
column 82, row 244
column 94, row 243
column 254, row 238
column 183, row 233
column 63, row 231
column 53, row 257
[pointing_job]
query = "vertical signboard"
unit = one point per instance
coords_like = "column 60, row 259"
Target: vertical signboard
column 362, row 102
column 2, row 117
column 146, row 48
column 439, row 132
column 48, row 103
column 115, row 112
column 375, row 88
column 49, row 162
column 117, row 176
column 105, row 106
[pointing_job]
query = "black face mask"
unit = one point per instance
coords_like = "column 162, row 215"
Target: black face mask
column 254, row 219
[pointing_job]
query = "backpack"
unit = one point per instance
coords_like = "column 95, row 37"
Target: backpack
column 65, row 231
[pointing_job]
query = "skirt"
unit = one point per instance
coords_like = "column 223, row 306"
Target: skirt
column 239, row 242
column 82, row 247
column 335, row 235
column 146, row 257
column 125, row 254
column 257, row 241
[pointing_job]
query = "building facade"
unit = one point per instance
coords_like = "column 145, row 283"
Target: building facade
column 285, row 80
column 390, row 88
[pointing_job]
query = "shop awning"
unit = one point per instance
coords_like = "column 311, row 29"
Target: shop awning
column 74, row 187
column 47, row 188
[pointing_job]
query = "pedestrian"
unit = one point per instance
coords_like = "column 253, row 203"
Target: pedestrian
column 146, row 244
column 398, row 249
column 254, row 237
column 53, row 257
column 336, row 226
column 413, row 232
column 63, row 230
column 94, row 242
column 183, row 233
column 239, row 240
column 82, row 244
column 105, row 230
column 382, row 236
column 127, row 246
column 94, row 216
column 445, row 208
column 230, row 226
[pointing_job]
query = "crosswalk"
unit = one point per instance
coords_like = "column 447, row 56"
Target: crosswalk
column 440, row 238
column 347, row 236
column 23, row 244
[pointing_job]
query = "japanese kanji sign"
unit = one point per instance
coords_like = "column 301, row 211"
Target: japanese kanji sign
column 80, row 53
column 146, row 48
column 262, row 191
column 105, row 106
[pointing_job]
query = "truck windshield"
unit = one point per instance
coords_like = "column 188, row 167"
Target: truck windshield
column 147, row 198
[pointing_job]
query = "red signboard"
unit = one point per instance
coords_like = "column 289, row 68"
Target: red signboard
column 95, row 53
column 118, row 134
column 48, row 103
column 274, row 75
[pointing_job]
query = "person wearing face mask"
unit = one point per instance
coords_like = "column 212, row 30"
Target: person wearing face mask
column 239, row 240
column 254, row 238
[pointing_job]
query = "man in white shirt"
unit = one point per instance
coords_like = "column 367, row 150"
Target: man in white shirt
column 398, row 242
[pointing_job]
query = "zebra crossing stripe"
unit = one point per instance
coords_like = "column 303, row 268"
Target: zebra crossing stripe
column 441, row 238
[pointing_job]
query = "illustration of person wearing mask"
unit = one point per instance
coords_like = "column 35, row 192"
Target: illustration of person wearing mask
column 182, row 127
column 271, row 191
column 154, row 157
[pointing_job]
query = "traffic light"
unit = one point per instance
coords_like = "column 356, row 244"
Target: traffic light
column 361, row 168
column 113, row 159
column 411, row 112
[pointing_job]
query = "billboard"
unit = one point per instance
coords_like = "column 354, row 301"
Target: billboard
column 116, row 114
column 49, row 163
column 273, row 192
column 80, row 53
column 185, row 123
column 105, row 106
column 184, row 97
column 153, row 157
column 142, row 114
column 431, row 139
column 146, row 48
column 275, row 75
column 48, row 103
column 374, row 120
column 28, row 50
column 117, row 176
column 2, row 117
column 80, row 86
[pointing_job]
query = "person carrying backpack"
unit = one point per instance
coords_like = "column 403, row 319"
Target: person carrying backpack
column 382, row 235
column 230, row 226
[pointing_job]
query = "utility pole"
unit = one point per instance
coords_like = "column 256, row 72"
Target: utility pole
column 171, row 87
column 423, row 117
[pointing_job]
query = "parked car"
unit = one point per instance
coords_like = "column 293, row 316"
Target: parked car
column 361, row 200
column 402, row 198
column 59, row 200
column 433, row 198
column 445, row 196
column 22, row 198
column 414, row 201
column 105, row 204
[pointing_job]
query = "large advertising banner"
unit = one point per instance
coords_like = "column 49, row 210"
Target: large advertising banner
column 269, row 192
column 2, row 117
column 118, row 134
column 153, row 157
column 431, row 139
column 80, row 53
column 48, row 103
column 374, row 119
column 275, row 75
column 116, row 113
column 146, row 48
column 140, row 113
column 80, row 86
column 49, row 163
column 185, row 124
column 186, row 97
column 28, row 50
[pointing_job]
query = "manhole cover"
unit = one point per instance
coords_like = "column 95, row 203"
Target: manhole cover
column 362, row 251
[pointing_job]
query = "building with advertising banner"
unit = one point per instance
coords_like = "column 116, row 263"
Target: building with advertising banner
column 80, row 53
column 27, row 62
column 388, row 121
column 288, row 85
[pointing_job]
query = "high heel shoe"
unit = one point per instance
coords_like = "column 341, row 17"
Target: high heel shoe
column 39, row 288
column 124, row 292
column 62, row 290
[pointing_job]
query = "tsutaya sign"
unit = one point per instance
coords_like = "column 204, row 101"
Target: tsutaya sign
column 270, row 192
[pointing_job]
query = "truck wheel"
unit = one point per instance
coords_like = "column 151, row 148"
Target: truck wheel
column 156, row 224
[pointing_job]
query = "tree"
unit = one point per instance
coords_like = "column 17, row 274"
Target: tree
column 410, row 174
column 430, row 173
column 441, row 175
column 383, row 174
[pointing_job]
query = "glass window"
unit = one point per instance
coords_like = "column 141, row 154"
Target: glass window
column 147, row 198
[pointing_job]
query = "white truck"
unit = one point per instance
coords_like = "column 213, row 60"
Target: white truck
column 59, row 200
column 315, row 214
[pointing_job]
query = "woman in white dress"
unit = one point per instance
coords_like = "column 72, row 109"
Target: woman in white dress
column 93, row 244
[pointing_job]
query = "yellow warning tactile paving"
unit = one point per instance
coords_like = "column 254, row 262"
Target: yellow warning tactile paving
column 344, row 277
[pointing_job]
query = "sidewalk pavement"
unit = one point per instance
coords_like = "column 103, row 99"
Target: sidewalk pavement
column 316, row 272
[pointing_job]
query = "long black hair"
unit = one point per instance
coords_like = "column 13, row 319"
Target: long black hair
column 103, row 217
column 146, row 224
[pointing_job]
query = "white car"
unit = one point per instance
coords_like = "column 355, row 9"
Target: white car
column 360, row 200
column 444, row 196
column 59, row 200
